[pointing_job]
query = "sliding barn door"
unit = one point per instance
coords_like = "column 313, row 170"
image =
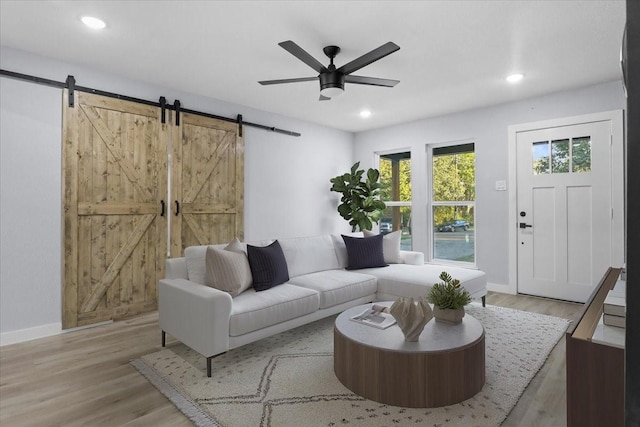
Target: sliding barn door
column 114, row 183
column 207, row 182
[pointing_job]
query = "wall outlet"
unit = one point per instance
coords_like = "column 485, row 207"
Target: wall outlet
column 501, row 185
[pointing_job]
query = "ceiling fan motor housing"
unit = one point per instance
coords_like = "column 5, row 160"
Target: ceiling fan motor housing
column 332, row 79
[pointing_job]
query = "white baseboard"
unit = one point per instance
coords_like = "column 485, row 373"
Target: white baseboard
column 504, row 289
column 92, row 325
column 28, row 334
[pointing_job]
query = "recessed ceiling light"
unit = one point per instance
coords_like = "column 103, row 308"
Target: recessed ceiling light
column 94, row 23
column 365, row 113
column 515, row 78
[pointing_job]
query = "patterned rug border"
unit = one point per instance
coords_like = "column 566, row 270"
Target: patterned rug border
column 187, row 406
column 201, row 418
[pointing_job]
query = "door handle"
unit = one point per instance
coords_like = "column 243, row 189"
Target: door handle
column 523, row 225
column 162, row 207
column 177, row 208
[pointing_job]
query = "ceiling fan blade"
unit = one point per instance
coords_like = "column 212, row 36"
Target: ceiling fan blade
column 324, row 98
column 373, row 81
column 277, row 82
column 303, row 56
column 366, row 59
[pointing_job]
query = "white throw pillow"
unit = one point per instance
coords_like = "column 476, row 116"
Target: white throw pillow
column 228, row 271
column 390, row 246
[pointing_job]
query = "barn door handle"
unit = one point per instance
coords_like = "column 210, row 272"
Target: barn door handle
column 162, row 207
column 177, row 208
column 523, row 225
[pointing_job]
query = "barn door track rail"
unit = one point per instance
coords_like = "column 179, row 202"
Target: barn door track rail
column 70, row 84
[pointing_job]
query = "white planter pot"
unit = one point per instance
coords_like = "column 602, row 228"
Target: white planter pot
column 447, row 315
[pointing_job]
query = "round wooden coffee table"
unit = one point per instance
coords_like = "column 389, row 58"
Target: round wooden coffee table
column 445, row 366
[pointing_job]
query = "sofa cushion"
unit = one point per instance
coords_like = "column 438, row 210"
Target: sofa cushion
column 341, row 250
column 337, row 286
column 404, row 280
column 228, row 271
column 364, row 252
column 268, row 266
column 309, row 254
column 196, row 265
column 390, row 245
column 256, row 310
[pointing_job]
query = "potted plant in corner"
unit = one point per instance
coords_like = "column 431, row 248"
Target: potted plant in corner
column 360, row 203
column 448, row 299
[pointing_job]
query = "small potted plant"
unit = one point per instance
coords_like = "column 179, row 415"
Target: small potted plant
column 448, row 299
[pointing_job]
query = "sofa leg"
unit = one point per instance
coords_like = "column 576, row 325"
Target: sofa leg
column 484, row 301
column 164, row 338
column 209, row 366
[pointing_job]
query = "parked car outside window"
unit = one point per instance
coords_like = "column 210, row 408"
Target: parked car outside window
column 457, row 224
column 385, row 226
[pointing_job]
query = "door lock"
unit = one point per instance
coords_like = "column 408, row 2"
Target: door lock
column 523, row 225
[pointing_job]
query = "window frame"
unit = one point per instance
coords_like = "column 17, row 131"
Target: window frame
column 397, row 203
column 431, row 203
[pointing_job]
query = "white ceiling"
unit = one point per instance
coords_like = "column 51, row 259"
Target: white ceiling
column 454, row 55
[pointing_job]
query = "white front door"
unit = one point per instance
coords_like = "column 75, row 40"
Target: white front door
column 564, row 209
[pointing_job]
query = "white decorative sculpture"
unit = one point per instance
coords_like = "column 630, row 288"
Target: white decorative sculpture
column 411, row 316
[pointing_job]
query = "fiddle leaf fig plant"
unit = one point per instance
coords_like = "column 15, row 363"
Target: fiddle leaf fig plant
column 360, row 203
column 448, row 293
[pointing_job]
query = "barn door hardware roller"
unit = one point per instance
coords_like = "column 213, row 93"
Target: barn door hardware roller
column 240, row 125
column 71, row 85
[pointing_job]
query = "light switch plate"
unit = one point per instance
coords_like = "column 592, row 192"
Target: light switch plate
column 501, row 185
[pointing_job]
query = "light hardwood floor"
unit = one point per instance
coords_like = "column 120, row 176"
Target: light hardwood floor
column 83, row 378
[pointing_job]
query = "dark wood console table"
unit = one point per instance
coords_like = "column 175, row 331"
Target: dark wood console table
column 595, row 369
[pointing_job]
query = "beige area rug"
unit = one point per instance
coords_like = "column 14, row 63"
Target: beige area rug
column 288, row 380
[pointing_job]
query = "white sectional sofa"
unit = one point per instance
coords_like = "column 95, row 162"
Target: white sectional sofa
column 211, row 321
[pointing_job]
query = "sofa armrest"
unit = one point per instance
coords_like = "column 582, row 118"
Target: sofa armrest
column 411, row 257
column 195, row 314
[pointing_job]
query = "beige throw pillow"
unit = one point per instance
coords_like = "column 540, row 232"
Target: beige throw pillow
column 236, row 246
column 228, row 271
column 390, row 246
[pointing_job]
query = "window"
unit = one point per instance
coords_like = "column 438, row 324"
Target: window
column 453, row 195
column 395, row 176
column 565, row 156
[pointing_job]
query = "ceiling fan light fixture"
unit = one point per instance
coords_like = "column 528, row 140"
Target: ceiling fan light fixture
column 332, row 92
column 331, row 84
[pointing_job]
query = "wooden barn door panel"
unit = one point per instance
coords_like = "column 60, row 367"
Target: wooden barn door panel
column 114, row 163
column 207, row 182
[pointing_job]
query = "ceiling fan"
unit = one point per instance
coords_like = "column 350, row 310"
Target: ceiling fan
column 332, row 79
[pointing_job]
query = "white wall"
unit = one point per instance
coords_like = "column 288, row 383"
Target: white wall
column 286, row 178
column 30, row 206
column 286, row 182
column 488, row 128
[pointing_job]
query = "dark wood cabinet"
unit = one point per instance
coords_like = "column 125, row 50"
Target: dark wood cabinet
column 595, row 368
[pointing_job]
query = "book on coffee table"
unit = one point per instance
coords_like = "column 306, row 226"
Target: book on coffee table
column 376, row 317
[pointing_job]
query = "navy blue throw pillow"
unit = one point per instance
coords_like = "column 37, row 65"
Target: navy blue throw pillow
column 364, row 252
column 268, row 266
